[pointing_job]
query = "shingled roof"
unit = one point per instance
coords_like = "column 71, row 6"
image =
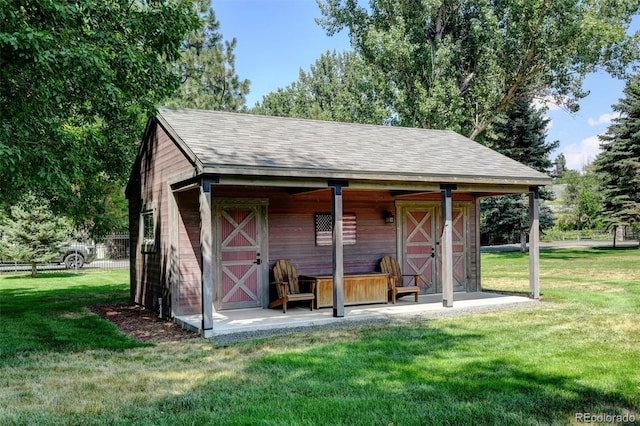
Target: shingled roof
column 245, row 144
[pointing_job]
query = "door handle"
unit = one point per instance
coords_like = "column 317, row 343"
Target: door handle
column 258, row 261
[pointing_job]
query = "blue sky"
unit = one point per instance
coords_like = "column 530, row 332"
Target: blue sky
column 277, row 38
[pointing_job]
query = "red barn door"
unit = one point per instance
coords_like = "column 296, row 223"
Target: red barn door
column 240, row 242
column 419, row 241
column 420, row 248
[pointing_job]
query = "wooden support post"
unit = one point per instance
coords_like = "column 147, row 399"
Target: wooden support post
column 338, row 249
column 174, row 250
column 447, row 248
column 478, row 245
column 206, row 250
column 534, row 242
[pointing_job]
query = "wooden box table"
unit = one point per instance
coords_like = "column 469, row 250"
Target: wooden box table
column 358, row 289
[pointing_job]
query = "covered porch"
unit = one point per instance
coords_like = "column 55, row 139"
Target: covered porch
column 256, row 322
column 434, row 234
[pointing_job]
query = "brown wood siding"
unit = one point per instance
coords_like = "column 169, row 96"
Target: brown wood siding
column 292, row 231
column 292, row 227
column 189, row 254
column 159, row 160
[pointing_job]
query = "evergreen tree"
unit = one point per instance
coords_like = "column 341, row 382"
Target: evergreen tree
column 31, row 232
column 521, row 135
column 207, row 69
column 619, row 162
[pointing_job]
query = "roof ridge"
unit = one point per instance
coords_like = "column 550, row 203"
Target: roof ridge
column 308, row 120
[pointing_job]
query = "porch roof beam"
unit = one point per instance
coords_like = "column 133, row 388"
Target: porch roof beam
column 401, row 188
column 482, row 189
column 364, row 176
column 300, row 191
column 400, row 194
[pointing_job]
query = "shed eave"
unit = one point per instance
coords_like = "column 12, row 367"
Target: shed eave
column 256, row 172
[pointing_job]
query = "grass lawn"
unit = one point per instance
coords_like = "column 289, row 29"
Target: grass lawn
column 60, row 364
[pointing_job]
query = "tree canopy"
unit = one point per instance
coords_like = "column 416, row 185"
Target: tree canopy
column 582, row 200
column 207, row 68
column 618, row 165
column 338, row 87
column 458, row 64
column 77, row 81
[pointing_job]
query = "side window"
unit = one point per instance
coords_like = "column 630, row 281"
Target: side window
column 148, row 230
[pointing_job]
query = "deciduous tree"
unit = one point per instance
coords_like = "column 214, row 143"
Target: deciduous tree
column 582, row 200
column 77, row 81
column 458, row 64
column 337, row 87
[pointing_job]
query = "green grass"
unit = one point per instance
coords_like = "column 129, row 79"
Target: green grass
column 60, row 364
column 50, row 313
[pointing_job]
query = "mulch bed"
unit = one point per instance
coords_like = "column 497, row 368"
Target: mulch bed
column 141, row 324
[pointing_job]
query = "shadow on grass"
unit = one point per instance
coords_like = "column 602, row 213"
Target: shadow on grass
column 521, row 293
column 44, row 275
column 563, row 253
column 408, row 375
column 34, row 320
column 617, row 249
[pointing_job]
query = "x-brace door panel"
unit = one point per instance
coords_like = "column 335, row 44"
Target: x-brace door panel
column 240, row 245
column 419, row 240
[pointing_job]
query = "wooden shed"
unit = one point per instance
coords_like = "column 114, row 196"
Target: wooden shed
column 216, row 198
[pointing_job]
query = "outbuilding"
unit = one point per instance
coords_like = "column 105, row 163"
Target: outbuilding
column 216, row 198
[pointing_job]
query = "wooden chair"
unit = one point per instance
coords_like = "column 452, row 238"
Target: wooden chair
column 390, row 266
column 288, row 286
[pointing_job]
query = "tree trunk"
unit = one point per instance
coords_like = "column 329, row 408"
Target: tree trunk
column 523, row 241
column 34, row 270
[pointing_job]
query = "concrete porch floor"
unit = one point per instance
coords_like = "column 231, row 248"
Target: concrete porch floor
column 297, row 318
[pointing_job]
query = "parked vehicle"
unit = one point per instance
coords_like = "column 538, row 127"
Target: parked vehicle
column 75, row 255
